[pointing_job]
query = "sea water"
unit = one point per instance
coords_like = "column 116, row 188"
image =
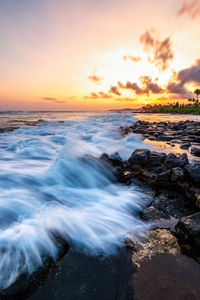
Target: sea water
column 52, row 183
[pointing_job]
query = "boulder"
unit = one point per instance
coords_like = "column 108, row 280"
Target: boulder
column 193, row 172
column 185, row 145
column 139, row 156
column 172, row 161
column 195, row 151
column 157, row 158
column 177, row 174
column 188, row 231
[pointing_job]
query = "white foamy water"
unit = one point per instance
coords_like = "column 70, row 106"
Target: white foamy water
column 52, row 184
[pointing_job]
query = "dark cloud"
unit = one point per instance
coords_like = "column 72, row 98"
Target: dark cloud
column 191, row 8
column 132, row 58
column 50, row 99
column 147, row 86
column 150, row 86
column 176, row 88
column 95, row 78
column 131, row 86
column 114, row 90
column 162, row 50
column 191, row 74
column 188, row 75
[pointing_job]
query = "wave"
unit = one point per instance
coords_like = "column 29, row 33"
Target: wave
column 52, row 184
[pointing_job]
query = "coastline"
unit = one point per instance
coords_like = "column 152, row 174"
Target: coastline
column 166, row 212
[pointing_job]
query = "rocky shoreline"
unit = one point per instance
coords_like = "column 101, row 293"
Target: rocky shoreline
column 174, row 186
column 184, row 133
column 171, row 179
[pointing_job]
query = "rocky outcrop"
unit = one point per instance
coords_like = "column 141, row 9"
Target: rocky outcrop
column 176, row 184
column 188, row 233
column 184, row 133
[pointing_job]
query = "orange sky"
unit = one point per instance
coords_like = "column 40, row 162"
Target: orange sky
column 93, row 55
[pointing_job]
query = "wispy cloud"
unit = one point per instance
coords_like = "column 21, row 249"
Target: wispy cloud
column 98, row 95
column 132, row 58
column 95, row 78
column 162, row 50
column 191, row 8
column 55, row 100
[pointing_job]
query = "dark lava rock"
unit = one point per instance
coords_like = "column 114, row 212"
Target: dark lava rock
column 151, row 214
column 172, row 161
column 172, row 203
column 157, row 158
column 139, row 156
column 177, row 174
column 188, row 231
column 195, row 151
column 185, row 145
column 193, row 171
column 163, row 177
column 27, row 283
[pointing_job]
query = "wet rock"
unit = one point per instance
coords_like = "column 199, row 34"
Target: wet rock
column 149, row 177
column 177, row 174
column 193, row 172
column 195, row 151
column 188, row 231
column 115, row 156
column 172, row 161
column 151, row 213
column 163, row 177
column 186, row 145
column 139, row 156
column 27, row 283
column 157, row 158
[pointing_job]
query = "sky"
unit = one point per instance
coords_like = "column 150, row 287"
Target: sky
column 96, row 55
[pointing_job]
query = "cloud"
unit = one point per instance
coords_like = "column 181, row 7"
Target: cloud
column 50, row 99
column 125, row 99
column 98, row 95
column 132, row 58
column 183, row 77
column 131, row 86
column 95, row 78
column 191, row 8
column 176, row 88
column 114, row 90
column 147, row 86
column 162, row 50
column 191, row 74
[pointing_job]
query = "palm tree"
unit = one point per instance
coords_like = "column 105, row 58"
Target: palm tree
column 197, row 92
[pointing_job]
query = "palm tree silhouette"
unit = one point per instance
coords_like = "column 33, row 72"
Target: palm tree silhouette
column 197, row 92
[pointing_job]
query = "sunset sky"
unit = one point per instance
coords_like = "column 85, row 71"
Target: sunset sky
column 94, row 55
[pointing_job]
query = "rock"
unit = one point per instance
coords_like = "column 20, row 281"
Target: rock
column 172, row 161
column 177, row 174
column 149, row 177
column 188, row 231
column 115, row 156
column 157, row 158
column 195, row 151
column 139, row 156
column 151, row 214
column 193, row 171
column 163, row 177
column 115, row 159
column 185, row 145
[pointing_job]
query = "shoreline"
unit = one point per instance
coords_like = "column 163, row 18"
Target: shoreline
column 172, row 182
